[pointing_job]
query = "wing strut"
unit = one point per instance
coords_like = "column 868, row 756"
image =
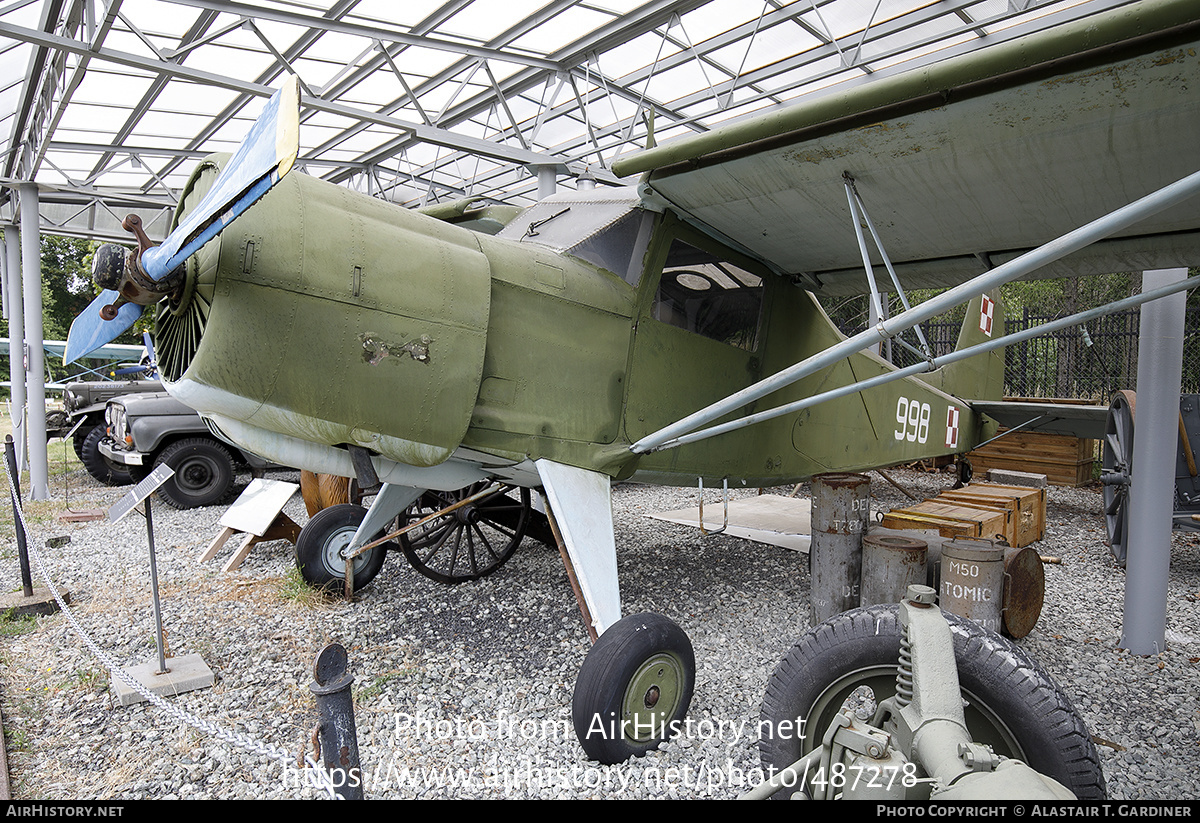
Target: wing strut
column 858, row 213
column 1073, row 241
column 934, row 363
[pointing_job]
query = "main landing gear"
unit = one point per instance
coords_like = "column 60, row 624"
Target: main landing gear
column 634, row 688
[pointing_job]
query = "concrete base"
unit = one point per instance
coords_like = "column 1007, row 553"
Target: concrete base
column 82, row 516
column 185, row 674
column 40, row 602
column 1006, row 477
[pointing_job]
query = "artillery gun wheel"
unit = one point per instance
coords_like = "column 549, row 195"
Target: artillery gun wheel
column 1117, row 471
column 1011, row 703
column 470, row 542
column 319, row 546
column 98, row 466
column 634, row 688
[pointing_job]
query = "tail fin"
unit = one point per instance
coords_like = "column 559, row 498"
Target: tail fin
column 980, row 377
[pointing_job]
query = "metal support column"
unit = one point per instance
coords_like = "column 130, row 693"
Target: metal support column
column 35, row 371
column 547, row 181
column 14, row 311
column 1152, row 491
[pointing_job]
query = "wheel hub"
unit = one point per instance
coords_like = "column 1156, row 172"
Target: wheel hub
column 335, row 551
column 653, row 695
column 195, row 475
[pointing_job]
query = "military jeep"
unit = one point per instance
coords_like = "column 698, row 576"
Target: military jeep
column 83, row 403
column 146, row 430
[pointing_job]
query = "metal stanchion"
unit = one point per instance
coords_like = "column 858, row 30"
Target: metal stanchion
column 30, row 600
column 336, row 729
column 187, row 672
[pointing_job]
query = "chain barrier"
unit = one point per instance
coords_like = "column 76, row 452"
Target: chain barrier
column 211, row 729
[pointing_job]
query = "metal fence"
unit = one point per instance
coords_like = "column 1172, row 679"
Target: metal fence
column 1073, row 363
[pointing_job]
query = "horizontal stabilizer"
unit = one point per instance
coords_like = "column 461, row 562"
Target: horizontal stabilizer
column 1050, row 418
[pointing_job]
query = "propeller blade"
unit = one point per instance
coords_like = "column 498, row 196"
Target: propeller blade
column 151, row 357
column 90, row 331
column 263, row 158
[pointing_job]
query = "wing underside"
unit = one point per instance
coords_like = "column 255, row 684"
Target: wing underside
column 965, row 163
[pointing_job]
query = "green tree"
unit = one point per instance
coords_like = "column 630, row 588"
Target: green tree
column 66, row 283
column 67, row 289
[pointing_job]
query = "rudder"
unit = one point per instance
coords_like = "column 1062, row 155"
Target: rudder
column 980, row 377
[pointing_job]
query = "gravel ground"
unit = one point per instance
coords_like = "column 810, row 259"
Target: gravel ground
column 465, row 691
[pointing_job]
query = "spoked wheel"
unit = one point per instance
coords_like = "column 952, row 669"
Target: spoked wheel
column 469, row 542
column 321, row 542
column 1117, row 471
column 850, row 661
column 634, row 688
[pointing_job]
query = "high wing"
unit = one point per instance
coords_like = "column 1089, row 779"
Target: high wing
column 111, row 351
column 965, row 163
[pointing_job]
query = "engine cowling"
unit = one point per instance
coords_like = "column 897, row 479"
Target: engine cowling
column 332, row 316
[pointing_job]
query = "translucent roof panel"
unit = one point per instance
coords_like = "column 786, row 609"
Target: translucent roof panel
column 427, row 100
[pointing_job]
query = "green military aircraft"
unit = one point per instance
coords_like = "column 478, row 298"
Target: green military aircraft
column 666, row 332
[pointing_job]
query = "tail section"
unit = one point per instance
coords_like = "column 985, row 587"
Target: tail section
column 980, row 377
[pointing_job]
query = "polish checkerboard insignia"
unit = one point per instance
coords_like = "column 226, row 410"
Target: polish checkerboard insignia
column 952, row 427
column 987, row 309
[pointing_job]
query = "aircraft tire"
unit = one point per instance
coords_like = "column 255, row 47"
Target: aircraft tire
column 634, row 688
column 1012, row 703
column 204, row 473
column 319, row 542
column 98, row 466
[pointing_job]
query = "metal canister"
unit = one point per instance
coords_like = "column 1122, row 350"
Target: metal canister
column 972, row 583
column 841, row 510
column 1024, row 590
column 890, row 564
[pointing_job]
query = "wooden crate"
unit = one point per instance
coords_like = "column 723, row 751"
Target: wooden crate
column 1027, row 505
column 1064, row 459
column 951, row 519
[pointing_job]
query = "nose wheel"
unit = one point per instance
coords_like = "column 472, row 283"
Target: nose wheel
column 634, row 688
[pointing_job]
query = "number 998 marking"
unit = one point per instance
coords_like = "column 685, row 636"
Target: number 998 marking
column 913, row 419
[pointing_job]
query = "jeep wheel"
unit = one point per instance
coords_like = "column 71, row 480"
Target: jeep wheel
column 98, row 466
column 80, row 437
column 203, row 476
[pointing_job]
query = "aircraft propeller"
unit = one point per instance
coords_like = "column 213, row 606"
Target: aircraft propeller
column 133, row 280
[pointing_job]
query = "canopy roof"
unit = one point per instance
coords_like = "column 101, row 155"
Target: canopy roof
column 107, row 104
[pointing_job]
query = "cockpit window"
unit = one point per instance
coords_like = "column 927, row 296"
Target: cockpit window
column 619, row 246
column 709, row 296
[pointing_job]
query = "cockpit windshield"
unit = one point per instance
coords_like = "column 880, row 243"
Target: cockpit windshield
column 602, row 226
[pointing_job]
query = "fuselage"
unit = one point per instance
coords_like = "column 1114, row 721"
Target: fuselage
column 324, row 318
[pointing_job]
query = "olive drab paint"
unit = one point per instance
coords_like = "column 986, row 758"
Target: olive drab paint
column 417, row 339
